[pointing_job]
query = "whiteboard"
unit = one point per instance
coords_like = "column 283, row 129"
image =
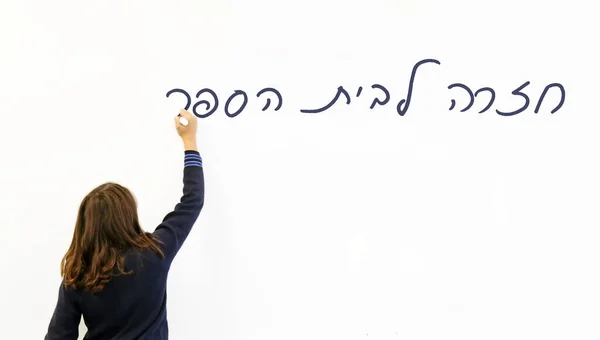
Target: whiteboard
column 374, row 218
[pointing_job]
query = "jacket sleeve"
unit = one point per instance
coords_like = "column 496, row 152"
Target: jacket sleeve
column 64, row 324
column 178, row 223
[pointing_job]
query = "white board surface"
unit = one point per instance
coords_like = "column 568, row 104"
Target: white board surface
column 350, row 223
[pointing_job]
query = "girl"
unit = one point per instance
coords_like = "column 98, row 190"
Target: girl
column 115, row 274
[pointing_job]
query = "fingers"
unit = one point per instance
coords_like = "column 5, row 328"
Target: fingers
column 183, row 118
column 180, row 121
column 185, row 114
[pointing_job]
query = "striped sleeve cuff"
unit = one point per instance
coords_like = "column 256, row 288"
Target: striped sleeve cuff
column 192, row 158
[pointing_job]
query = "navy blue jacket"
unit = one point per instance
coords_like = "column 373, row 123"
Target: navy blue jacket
column 134, row 306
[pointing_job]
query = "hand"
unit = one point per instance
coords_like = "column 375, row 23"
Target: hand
column 187, row 132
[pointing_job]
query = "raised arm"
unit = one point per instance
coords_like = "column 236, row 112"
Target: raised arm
column 178, row 223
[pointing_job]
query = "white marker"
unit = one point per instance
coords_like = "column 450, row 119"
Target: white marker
column 183, row 121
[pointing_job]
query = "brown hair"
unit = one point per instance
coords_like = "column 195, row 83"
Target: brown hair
column 107, row 226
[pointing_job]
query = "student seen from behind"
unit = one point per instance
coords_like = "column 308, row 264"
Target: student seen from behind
column 114, row 273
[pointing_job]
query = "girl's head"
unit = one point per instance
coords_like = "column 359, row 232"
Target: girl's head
column 107, row 227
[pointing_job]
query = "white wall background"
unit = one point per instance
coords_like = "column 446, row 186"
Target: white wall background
column 348, row 224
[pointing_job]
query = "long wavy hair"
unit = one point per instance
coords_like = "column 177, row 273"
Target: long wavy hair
column 107, row 227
